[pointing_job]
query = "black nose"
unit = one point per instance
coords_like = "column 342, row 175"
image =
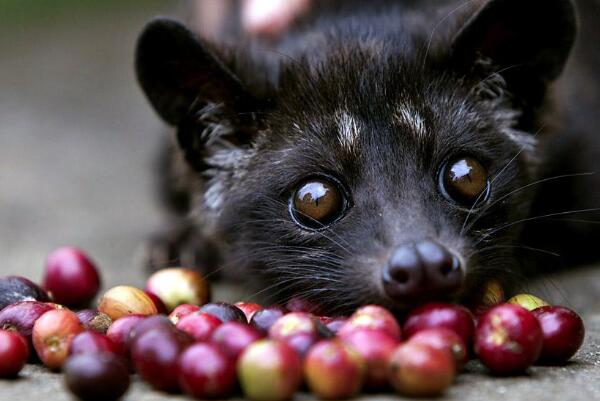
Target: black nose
column 424, row 270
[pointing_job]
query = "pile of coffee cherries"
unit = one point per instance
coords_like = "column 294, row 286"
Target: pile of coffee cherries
column 176, row 340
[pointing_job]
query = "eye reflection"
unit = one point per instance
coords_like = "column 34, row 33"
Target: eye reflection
column 317, row 202
column 465, row 181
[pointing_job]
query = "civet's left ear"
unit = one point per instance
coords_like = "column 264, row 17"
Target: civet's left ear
column 196, row 90
column 176, row 70
column 527, row 41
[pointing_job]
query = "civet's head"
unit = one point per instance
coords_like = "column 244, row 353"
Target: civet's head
column 384, row 165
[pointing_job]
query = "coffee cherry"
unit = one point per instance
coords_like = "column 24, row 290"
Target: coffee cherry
column 302, row 305
column 182, row 311
column 161, row 308
column 225, row 312
column 508, row 339
column 204, row 372
column 14, row 352
column 155, row 354
column 71, row 277
column 232, row 338
column 489, row 295
column 563, row 332
column 21, row 316
column 334, row 325
column 96, row 377
column 269, row 371
column 527, row 301
column 444, row 340
column 150, row 323
column 297, row 329
column 124, row 300
column 93, row 320
column 375, row 347
column 15, row 289
column 372, row 317
column 292, row 324
column 249, row 309
column 52, row 335
column 419, row 370
column 199, row 325
column 177, row 286
column 436, row 315
column 333, row 370
column 263, row 319
column 90, row 342
column 120, row 333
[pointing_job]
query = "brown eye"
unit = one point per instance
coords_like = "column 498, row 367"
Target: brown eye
column 317, row 202
column 464, row 180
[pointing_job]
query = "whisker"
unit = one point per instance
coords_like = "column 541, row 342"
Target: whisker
column 513, row 223
column 438, row 24
column 527, row 248
column 541, row 181
column 499, row 174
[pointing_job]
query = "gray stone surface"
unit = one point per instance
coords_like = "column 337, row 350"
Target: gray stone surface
column 76, row 144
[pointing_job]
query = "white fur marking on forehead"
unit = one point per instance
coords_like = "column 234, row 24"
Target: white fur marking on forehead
column 348, row 130
column 214, row 195
column 411, row 118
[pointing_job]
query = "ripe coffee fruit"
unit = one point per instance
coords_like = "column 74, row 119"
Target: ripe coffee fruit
column 508, row 339
column 435, row 315
column 232, row 338
column 21, row 316
column 155, row 354
column 14, row 352
column 375, row 347
column 120, row 332
column 225, row 312
column 71, row 277
column 372, row 317
column 297, row 329
column 91, row 319
column 96, row 377
column 334, row 325
column 333, row 370
column 419, row 370
column 150, row 323
column 563, row 332
column 527, row 301
column 263, row 319
column 444, row 340
column 248, row 308
column 204, row 372
column 161, row 308
column 124, row 300
column 296, row 304
column 199, row 325
column 52, row 335
column 269, row 371
column 489, row 295
column 16, row 289
column 177, row 286
column 90, row 342
column 182, row 311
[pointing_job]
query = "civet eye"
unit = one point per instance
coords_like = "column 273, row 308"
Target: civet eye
column 465, row 181
column 317, row 202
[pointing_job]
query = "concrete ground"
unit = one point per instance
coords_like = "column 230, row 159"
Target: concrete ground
column 76, row 144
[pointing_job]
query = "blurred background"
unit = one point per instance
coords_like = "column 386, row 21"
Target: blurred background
column 77, row 138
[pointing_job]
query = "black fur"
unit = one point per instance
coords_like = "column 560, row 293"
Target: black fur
column 254, row 119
